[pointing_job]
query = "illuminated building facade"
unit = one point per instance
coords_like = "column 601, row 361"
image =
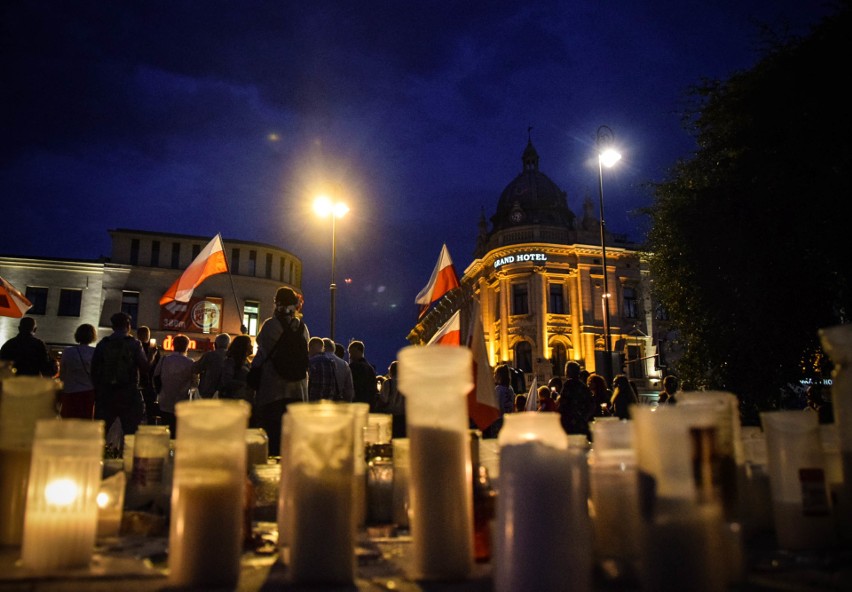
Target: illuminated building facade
column 66, row 293
column 537, row 277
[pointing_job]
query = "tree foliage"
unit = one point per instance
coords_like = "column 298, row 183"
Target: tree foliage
column 749, row 235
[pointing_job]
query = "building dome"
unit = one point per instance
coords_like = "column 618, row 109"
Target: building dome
column 532, row 198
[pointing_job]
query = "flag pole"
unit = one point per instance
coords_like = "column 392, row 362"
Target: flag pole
column 243, row 328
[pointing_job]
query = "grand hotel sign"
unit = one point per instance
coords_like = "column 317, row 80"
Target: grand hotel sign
column 520, row 258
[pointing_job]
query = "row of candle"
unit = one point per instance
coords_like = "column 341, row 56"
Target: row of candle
column 681, row 469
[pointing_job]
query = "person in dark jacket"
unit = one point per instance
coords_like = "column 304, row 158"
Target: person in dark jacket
column 623, row 396
column 576, row 403
column 363, row 375
column 28, row 354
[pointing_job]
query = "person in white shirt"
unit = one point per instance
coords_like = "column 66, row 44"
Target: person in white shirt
column 75, row 371
column 173, row 377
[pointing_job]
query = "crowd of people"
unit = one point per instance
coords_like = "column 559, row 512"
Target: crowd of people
column 127, row 378
column 579, row 397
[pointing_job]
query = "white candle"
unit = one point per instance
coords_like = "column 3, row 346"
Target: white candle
column 441, row 502
column 615, row 504
column 322, row 536
column 208, row 493
column 111, row 505
column 257, row 447
column 542, row 501
column 321, row 523
column 534, row 508
column 127, row 453
column 62, row 512
column 109, row 522
column 205, row 532
column 25, row 400
column 14, row 475
column 59, row 535
column 401, row 471
column 435, row 381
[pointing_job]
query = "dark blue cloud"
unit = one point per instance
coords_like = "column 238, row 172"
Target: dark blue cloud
column 222, row 116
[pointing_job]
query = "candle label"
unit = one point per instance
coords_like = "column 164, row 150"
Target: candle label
column 147, row 471
column 814, row 495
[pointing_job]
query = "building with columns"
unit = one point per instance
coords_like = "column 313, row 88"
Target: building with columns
column 66, row 293
column 537, row 277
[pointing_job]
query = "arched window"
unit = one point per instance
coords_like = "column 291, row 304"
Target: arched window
column 523, row 356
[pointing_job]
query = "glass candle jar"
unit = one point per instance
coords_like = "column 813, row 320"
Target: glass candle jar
column 25, row 400
column 542, row 500
column 61, row 518
column 208, row 493
column 320, row 475
column 435, row 381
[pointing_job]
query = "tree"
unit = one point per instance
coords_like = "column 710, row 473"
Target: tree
column 748, row 236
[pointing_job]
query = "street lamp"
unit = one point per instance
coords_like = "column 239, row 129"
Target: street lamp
column 607, row 156
column 325, row 207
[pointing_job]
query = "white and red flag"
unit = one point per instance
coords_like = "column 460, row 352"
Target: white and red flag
column 532, row 396
column 442, row 281
column 449, row 333
column 12, row 302
column 482, row 406
column 210, row 261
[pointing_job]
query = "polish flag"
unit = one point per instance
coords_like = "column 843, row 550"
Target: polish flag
column 449, row 333
column 482, row 406
column 442, row 281
column 12, row 302
column 210, row 261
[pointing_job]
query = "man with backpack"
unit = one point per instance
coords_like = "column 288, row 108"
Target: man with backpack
column 117, row 364
column 282, row 354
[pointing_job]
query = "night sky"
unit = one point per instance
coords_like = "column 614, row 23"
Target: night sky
column 229, row 117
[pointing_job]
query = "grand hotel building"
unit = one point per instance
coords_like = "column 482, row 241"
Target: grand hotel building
column 66, row 293
column 537, row 276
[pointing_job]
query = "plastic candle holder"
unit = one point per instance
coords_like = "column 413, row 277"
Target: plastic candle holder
column 61, row 518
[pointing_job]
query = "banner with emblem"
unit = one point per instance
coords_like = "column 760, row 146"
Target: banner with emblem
column 199, row 315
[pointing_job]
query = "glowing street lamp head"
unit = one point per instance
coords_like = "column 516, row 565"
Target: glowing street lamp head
column 324, row 207
column 604, row 139
column 609, row 157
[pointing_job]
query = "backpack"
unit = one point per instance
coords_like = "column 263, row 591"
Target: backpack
column 290, row 354
column 119, row 365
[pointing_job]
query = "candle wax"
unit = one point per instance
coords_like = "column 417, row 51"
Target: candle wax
column 205, row 534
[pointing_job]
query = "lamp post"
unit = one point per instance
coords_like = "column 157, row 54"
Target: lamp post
column 325, row 207
column 607, row 156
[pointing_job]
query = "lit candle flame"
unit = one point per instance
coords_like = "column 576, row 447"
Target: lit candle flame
column 62, row 492
column 104, row 499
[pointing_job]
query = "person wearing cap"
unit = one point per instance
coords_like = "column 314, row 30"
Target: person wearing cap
column 209, row 366
column 276, row 392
